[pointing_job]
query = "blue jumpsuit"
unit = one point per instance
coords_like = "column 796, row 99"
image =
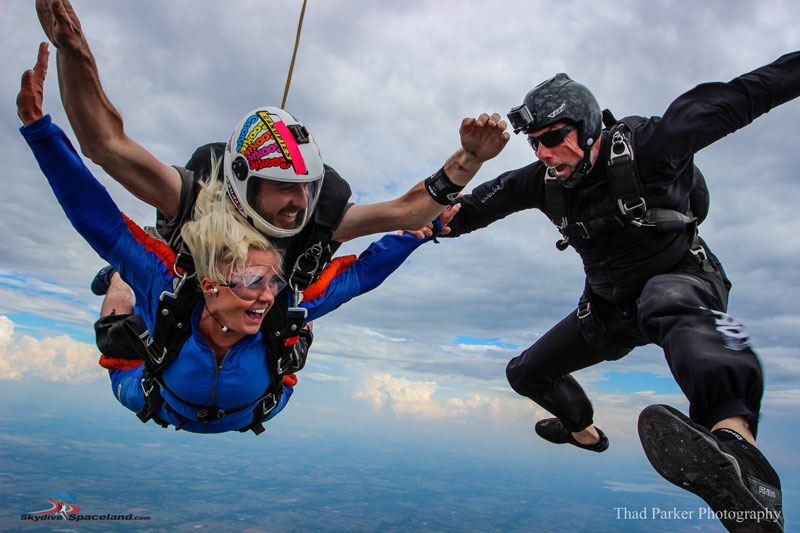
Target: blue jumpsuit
column 243, row 375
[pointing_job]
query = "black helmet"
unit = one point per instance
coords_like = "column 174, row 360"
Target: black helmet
column 560, row 99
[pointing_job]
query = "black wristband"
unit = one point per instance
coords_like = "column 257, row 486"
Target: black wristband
column 441, row 189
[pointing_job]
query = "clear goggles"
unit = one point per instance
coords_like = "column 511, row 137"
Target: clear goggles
column 251, row 282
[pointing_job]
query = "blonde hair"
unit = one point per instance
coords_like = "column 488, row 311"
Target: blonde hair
column 218, row 236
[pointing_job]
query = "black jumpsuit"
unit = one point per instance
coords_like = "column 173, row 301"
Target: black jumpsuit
column 644, row 286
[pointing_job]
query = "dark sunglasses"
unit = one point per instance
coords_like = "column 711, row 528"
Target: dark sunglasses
column 550, row 138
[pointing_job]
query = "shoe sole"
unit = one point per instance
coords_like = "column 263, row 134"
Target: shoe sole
column 692, row 460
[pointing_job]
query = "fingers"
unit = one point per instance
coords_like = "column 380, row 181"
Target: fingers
column 40, row 68
column 493, row 121
column 59, row 22
column 467, row 125
column 60, row 11
column 419, row 234
column 66, row 13
column 45, row 14
column 31, row 91
column 448, row 214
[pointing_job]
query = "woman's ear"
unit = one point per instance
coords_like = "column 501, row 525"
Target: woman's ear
column 208, row 286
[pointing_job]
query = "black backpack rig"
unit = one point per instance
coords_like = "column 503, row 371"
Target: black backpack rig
column 627, row 191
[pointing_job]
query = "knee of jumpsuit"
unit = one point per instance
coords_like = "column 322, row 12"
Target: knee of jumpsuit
column 528, row 376
column 559, row 352
column 707, row 350
column 560, row 395
column 127, row 387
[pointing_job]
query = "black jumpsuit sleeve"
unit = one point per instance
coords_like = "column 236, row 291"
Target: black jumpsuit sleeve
column 711, row 111
column 489, row 202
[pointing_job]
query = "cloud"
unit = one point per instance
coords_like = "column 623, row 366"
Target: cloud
column 34, row 284
column 58, row 358
column 318, row 376
column 784, row 402
column 46, row 305
column 383, row 93
column 645, row 488
column 426, row 400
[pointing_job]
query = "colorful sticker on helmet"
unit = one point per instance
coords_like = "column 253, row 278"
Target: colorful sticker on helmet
column 286, row 141
column 245, row 130
column 255, row 145
column 258, row 141
column 267, row 143
column 294, row 154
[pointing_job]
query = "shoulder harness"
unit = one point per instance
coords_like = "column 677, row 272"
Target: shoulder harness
column 626, row 189
column 171, row 330
column 309, row 252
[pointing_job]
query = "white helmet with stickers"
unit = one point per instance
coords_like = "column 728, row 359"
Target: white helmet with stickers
column 273, row 171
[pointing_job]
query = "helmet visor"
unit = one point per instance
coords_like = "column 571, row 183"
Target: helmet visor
column 284, row 205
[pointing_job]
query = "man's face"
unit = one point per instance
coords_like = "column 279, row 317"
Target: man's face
column 564, row 156
column 282, row 204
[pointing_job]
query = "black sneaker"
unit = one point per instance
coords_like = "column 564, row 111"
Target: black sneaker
column 552, row 430
column 725, row 470
column 102, row 280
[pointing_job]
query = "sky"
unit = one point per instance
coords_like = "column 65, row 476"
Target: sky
column 383, row 86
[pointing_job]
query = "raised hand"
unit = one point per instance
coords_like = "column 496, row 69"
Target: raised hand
column 60, row 23
column 31, row 92
column 484, row 137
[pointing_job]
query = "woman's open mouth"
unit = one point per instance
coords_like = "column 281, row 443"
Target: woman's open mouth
column 255, row 315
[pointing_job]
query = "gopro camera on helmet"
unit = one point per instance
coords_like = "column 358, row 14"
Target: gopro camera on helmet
column 520, row 118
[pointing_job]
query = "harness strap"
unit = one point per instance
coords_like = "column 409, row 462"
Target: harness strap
column 623, row 176
column 556, row 200
column 173, row 327
column 593, row 228
column 698, row 252
column 626, row 189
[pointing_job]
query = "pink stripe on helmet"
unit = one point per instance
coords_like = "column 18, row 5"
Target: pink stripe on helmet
column 291, row 146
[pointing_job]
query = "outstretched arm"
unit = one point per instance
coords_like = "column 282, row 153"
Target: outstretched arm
column 481, row 139
column 84, row 200
column 347, row 277
column 710, row 111
column 96, row 123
